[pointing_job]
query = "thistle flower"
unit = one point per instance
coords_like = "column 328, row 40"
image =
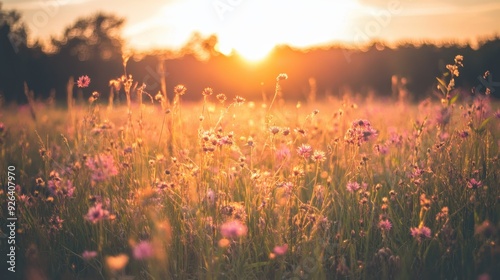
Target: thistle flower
column 420, row 233
column 304, row 150
column 83, row 81
column 353, row 187
column 385, row 225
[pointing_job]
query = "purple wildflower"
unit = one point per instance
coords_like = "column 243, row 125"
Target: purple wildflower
column 102, row 167
column 96, row 214
column 420, row 233
column 83, row 81
column 280, row 250
column 88, row 255
column 474, row 184
column 233, row 229
column 143, row 250
column 385, row 225
column 352, row 187
column 304, row 150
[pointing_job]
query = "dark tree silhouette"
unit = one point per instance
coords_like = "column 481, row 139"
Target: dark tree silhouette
column 93, row 37
column 13, row 38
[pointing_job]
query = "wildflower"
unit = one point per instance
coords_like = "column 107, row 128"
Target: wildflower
column 474, row 184
column 274, row 129
column 239, row 100
column 143, row 250
column 497, row 114
column 117, row 263
column 360, row 131
column 459, row 59
column 420, row 233
column 280, row 250
column 102, row 167
column 233, row 229
column 88, row 255
column 2, row 127
column 318, row 156
column 221, row 97
column 281, row 76
column 352, row 187
column 207, row 91
column 83, row 81
column 385, row 225
column 96, row 214
column 304, row 150
column 180, row 89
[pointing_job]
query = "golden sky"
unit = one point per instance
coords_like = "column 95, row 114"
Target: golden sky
column 254, row 27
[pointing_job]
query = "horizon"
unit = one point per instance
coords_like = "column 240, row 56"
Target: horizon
column 357, row 23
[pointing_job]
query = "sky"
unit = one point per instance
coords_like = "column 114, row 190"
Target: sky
column 253, row 27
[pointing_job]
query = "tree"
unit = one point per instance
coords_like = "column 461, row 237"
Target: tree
column 93, row 37
column 11, row 23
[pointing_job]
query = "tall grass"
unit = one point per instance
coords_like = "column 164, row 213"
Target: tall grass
column 235, row 189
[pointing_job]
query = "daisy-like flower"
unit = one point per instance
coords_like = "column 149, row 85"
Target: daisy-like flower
column 474, row 184
column 318, row 156
column 207, row 91
column 83, row 81
column 96, row 214
column 239, row 100
column 304, row 150
column 221, row 97
column 180, row 89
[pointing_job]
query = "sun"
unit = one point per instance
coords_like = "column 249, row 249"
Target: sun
column 250, row 52
column 253, row 31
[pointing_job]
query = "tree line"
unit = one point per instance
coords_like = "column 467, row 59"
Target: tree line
column 93, row 46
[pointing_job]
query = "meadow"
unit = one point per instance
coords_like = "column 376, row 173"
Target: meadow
column 229, row 188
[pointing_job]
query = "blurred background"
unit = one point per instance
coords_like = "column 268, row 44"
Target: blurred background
column 367, row 48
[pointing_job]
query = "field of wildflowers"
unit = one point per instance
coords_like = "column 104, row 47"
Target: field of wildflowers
column 230, row 188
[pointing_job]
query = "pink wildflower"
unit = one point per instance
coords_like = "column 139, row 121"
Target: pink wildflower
column 474, row 184
column 102, row 167
column 318, row 156
column 352, row 187
column 96, row 214
column 88, row 255
column 83, row 81
column 304, row 150
column 233, row 229
column 420, row 233
column 143, row 250
column 385, row 225
column 280, row 250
